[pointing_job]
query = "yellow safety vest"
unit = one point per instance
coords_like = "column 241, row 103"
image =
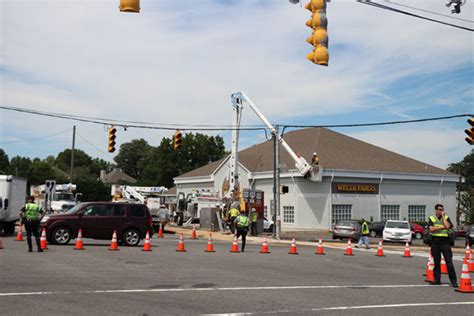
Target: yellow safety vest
column 234, row 212
column 365, row 228
column 254, row 216
column 32, row 211
column 439, row 223
column 242, row 221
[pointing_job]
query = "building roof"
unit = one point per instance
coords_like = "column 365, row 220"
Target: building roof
column 117, row 175
column 336, row 151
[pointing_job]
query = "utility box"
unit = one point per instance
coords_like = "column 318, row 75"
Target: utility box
column 209, row 218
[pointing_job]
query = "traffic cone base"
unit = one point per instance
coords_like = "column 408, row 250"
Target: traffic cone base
column 465, row 286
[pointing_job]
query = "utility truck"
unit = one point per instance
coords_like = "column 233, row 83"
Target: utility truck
column 55, row 198
column 12, row 199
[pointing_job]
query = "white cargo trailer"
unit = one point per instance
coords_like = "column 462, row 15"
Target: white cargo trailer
column 12, row 199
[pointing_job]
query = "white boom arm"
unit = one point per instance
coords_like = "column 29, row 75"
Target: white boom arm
column 237, row 98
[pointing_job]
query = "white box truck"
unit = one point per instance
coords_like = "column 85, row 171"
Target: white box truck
column 12, row 199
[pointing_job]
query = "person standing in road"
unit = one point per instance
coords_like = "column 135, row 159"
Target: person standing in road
column 30, row 216
column 242, row 223
column 439, row 227
column 364, row 236
column 233, row 213
column 253, row 220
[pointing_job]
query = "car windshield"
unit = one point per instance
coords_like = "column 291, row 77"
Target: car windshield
column 345, row 223
column 74, row 209
column 397, row 225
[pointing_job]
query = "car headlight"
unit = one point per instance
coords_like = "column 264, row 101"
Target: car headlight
column 44, row 219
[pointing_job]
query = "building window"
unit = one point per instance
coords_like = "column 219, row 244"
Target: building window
column 288, row 214
column 341, row 212
column 389, row 212
column 417, row 213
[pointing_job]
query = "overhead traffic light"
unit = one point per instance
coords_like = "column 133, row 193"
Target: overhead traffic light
column 130, row 6
column 111, row 147
column 470, row 131
column 177, row 143
column 319, row 38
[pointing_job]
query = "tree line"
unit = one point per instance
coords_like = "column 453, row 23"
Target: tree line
column 150, row 165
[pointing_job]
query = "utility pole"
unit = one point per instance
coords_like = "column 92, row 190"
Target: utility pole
column 276, row 185
column 72, row 151
column 458, row 209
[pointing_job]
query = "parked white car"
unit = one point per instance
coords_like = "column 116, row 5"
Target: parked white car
column 397, row 231
column 267, row 225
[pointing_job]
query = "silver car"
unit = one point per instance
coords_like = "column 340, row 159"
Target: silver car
column 345, row 229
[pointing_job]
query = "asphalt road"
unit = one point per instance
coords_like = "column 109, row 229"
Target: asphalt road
column 95, row 281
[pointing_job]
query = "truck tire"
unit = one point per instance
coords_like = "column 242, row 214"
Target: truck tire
column 61, row 235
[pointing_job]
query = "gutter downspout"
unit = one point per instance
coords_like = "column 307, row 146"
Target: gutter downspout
column 330, row 201
column 295, row 199
column 380, row 196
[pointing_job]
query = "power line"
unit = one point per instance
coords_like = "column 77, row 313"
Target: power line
column 97, row 148
column 33, row 139
column 381, row 6
column 428, row 11
column 190, row 128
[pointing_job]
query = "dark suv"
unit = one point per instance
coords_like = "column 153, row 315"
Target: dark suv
column 98, row 220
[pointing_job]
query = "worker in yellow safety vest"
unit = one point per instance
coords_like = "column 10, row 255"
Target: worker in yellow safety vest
column 233, row 213
column 242, row 222
column 439, row 227
column 30, row 215
column 253, row 221
column 364, row 236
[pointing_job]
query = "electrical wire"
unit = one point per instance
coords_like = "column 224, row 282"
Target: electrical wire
column 381, row 6
column 109, row 156
column 37, row 138
column 428, row 11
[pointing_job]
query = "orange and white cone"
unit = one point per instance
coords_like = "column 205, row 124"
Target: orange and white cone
column 181, row 244
column 470, row 263
column 380, row 250
column 114, row 244
column 430, row 271
column 147, row 243
column 349, row 248
column 43, row 242
column 465, row 286
column 210, row 246
column 235, row 245
column 264, row 246
column 193, row 233
column 320, row 249
column 468, row 252
column 160, row 232
column 407, row 253
column 79, row 245
column 430, row 257
column 444, row 267
column 293, row 249
column 19, row 235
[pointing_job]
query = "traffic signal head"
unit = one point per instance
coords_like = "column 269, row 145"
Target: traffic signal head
column 470, row 132
column 319, row 38
column 177, row 140
column 130, row 6
column 111, row 147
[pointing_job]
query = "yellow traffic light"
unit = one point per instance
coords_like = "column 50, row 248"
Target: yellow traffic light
column 319, row 38
column 111, row 147
column 177, row 143
column 130, row 6
column 470, row 132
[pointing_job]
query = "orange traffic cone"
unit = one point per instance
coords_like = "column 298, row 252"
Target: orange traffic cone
column 293, row 249
column 160, row 232
column 79, row 244
column 444, row 267
column 193, row 233
column 380, row 250
column 210, row 246
column 320, row 249
column 468, row 252
column 407, row 253
column 470, row 263
column 19, row 235
column 264, row 246
column 43, row 242
column 430, row 257
column 465, row 285
column 349, row 248
column 181, row 244
column 235, row 245
column 147, row 244
column 114, row 244
column 430, row 271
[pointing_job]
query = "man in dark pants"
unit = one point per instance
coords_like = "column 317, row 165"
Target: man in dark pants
column 439, row 225
column 30, row 216
column 242, row 226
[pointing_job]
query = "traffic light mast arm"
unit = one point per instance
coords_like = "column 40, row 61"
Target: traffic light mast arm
column 301, row 164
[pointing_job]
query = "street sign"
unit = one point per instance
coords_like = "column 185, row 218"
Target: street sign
column 49, row 186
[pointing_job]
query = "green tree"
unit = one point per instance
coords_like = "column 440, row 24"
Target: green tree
column 132, row 157
column 81, row 159
column 466, row 190
column 92, row 188
column 40, row 171
column 4, row 162
column 20, row 166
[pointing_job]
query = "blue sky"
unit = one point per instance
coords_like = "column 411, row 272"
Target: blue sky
column 177, row 62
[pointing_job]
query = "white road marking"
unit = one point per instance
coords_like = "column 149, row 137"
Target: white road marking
column 260, row 288
column 338, row 308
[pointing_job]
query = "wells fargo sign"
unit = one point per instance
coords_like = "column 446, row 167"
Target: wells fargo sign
column 356, row 188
